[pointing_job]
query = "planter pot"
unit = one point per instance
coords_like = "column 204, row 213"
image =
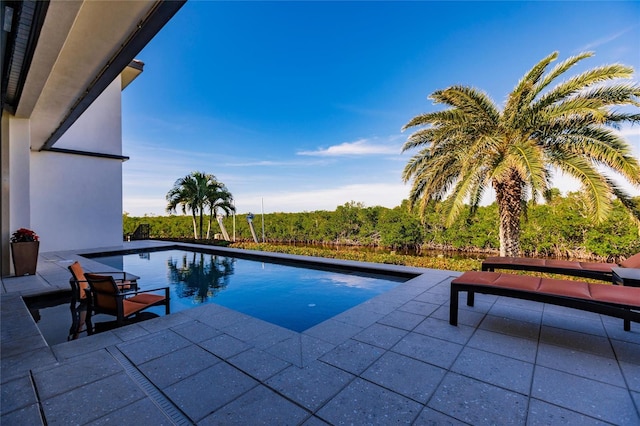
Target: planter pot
column 25, row 257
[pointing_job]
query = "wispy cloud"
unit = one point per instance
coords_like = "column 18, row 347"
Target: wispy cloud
column 604, row 40
column 358, row 148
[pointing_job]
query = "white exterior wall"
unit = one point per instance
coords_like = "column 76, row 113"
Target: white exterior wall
column 76, row 201
column 19, row 194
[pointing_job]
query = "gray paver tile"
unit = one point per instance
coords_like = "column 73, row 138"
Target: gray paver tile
column 272, row 337
column 25, row 416
column 312, row 385
column 60, row 378
column 359, row 316
column 17, row 346
column 353, row 356
column 542, row 413
column 205, row 392
column 248, row 329
column 333, row 331
column 196, row 331
column 130, row 332
column 478, row 403
column 569, row 322
column 580, row 363
column 178, row 365
column 90, row 402
column 259, row 406
column 626, row 351
column 434, row 298
column 16, row 366
column 224, row 346
column 631, row 373
column 443, row 330
column 419, row 308
column 428, row 349
column 589, row 397
column 258, row 364
column 579, row 341
column 314, row 421
column 407, row 376
column 615, row 330
column 512, row 327
column 380, row 335
column 404, row 320
column 498, row 370
column 516, row 313
column 520, row 304
column 85, row 346
column 362, row 402
column 382, row 304
column 18, row 393
column 430, row 417
column 163, row 322
column 142, row 412
column 301, row 350
column 503, row 344
column 153, row 346
column 465, row 316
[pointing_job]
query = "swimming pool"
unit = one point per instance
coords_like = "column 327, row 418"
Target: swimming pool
column 288, row 295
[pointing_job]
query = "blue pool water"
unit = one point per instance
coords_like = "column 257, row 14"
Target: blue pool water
column 293, row 297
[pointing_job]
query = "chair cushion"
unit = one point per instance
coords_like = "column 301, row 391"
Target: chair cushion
column 146, row 298
column 497, row 279
column 615, row 294
column 631, row 262
column 130, row 308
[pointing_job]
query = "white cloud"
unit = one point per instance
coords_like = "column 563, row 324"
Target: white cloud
column 380, row 194
column 603, row 40
column 357, row 148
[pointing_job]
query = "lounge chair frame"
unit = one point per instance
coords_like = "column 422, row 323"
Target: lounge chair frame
column 627, row 312
column 95, row 307
column 492, row 263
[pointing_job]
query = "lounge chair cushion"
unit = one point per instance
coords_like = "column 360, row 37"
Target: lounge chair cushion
column 577, row 289
column 631, row 262
column 146, row 298
column 615, row 294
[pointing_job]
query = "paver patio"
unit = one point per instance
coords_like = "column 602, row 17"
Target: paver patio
column 394, row 359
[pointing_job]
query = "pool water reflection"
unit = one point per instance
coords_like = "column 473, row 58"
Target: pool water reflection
column 287, row 295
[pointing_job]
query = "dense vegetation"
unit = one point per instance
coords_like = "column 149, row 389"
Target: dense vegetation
column 559, row 228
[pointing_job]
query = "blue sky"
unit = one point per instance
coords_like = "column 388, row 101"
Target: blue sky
column 298, row 106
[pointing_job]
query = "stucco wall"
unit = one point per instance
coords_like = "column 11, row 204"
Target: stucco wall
column 76, row 201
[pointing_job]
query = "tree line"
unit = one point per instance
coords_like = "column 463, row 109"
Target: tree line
column 559, row 228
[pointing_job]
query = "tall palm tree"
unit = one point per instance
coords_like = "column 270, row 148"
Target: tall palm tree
column 473, row 144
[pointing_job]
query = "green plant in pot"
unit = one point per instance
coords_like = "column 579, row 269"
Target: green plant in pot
column 24, row 251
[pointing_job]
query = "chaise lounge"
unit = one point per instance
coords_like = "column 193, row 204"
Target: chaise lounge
column 616, row 301
column 598, row 271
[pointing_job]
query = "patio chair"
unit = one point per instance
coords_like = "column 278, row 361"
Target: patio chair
column 598, row 271
column 105, row 297
column 79, row 284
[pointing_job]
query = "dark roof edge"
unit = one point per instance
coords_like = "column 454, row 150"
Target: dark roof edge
column 155, row 20
column 86, row 153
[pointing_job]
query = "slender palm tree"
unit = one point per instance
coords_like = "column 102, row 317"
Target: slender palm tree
column 185, row 194
column 218, row 199
column 473, row 144
column 198, row 192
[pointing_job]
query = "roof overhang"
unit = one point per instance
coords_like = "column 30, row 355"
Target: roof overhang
column 78, row 48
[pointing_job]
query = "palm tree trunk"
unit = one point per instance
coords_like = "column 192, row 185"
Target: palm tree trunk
column 508, row 198
column 195, row 229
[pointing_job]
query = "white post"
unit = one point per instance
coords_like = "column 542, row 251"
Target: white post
column 263, row 220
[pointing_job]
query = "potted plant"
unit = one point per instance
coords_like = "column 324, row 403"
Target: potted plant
column 24, row 250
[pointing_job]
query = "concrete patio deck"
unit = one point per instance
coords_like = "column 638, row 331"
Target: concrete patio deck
column 394, row 359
